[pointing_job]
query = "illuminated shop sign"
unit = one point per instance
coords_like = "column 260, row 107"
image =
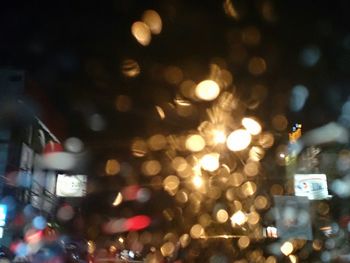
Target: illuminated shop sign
column 71, row 185
column 3, row 214
column 312, row 186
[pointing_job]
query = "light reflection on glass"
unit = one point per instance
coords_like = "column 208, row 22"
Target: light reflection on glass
column 118, row 199
column 238, row 140
column 195, row 143
column 153, row 20
column 160, row 112
column 112, row 167
column 141, row 32
column 210, row 162
column 238, row 218
column 197, row 181
column 251, row 125
column 130, row 68
column 207, row 90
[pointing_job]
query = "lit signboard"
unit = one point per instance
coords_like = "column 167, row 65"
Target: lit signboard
column 312, row 186
column 3, row 213
column 71, row 185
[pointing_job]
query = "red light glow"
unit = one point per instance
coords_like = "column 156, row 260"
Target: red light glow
column 137, row 223
column 33, row 236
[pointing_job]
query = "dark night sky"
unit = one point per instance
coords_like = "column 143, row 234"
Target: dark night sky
column 56, row 43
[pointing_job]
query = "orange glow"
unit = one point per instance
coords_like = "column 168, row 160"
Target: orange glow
column 207, row 90
column 153, row 21
column 230, row 10
column 151, row 167
column 141, row 32
column 123, row 103
column 257, row 66
column 160, row 112
column 195, row 143
column 130, row 68
column 112, row 167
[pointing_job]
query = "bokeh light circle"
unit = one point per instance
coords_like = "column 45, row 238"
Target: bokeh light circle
column 238, row 140
column 207, row 90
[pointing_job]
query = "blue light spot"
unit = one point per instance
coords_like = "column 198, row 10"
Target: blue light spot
column 10, row 202
column 39, row 222
column 22, row 250
column 310, row 56
column 298, row 97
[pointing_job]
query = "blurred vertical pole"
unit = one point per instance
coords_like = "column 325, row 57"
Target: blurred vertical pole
column 292, row 157
column 4, row 145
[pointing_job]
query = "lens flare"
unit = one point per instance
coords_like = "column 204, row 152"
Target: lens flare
column 130, row 68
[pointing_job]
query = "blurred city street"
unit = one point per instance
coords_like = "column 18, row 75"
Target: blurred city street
column 175, row 131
